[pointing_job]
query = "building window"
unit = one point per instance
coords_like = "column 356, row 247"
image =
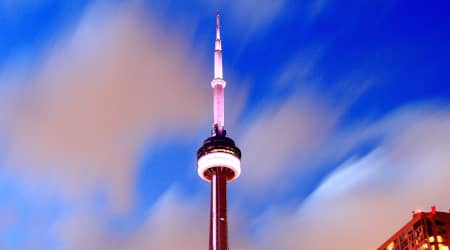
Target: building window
column 439, row 223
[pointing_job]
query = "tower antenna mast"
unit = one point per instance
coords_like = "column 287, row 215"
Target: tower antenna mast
column 218, row 83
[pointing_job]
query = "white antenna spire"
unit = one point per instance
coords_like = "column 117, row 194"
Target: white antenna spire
column 218, row 50
column 218, row 25
column 218, row 83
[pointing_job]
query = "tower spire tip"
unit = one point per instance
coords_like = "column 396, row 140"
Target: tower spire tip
column 218, row 25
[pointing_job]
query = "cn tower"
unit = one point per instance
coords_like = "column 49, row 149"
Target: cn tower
column 218, row 159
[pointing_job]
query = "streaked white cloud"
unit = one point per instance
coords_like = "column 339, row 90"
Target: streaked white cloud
column 362, row 202
column 282, row 139
column 103, row 90
column 175, row 222
column 303, row 132
column 257, row 14
column 116, row 80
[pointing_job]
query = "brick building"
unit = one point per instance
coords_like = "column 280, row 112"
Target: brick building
column 425, row 231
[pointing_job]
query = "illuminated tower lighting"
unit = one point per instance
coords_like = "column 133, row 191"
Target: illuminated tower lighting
column 218, row 159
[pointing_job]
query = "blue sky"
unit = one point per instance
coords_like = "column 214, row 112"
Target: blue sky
column 341, row 110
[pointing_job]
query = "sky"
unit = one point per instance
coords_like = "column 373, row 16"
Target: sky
column 341, row 110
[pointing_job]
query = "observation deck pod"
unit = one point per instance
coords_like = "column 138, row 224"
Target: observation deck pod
column 219, row 152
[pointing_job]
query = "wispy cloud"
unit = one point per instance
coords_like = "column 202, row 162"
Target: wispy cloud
column 257, row 14
column 282, row 139
column 363, row 201
column 304, row 130
column 79, row 121
column 75, row 126
column 174, row 222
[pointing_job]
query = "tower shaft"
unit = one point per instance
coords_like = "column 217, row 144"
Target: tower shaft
column 218, row 226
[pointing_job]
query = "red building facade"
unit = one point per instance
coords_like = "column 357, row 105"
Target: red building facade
column 425, row 231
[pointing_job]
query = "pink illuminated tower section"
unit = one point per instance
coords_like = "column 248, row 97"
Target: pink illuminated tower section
column 218, row 83
column 218, row 159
